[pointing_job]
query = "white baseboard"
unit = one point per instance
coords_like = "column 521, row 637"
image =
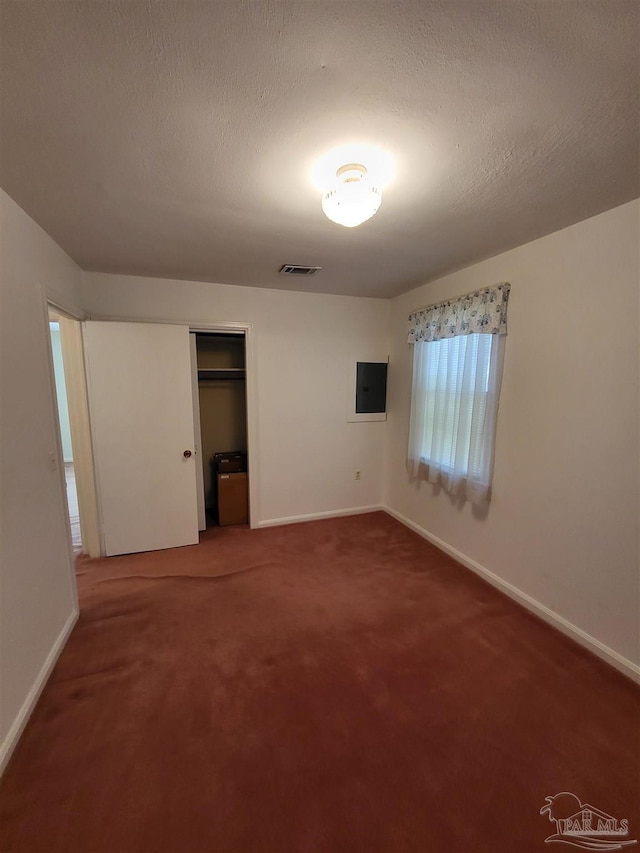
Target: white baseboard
column 622, row 664
column 314, row 516
column 21, row 720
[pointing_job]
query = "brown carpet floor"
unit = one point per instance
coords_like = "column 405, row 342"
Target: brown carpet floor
column 333, row 686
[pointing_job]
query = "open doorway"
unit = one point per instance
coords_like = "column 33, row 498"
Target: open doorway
column 221, row 411
column 65, row 334
column 65, row 433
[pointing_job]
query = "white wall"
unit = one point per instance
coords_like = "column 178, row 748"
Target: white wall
column 562, row 526
column 37, row 594
column 304, row 342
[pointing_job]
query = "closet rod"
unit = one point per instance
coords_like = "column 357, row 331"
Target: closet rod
column 221, row 373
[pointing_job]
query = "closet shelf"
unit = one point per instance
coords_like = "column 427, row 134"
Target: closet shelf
column 221, row 373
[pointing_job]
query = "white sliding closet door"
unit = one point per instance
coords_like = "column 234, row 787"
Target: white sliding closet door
column 139, row 378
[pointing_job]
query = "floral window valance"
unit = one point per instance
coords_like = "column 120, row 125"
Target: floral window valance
column 483, row 311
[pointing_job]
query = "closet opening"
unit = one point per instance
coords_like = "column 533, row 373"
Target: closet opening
column 220, row 418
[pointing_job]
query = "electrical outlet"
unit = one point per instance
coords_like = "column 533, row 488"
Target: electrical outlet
column 356, row 475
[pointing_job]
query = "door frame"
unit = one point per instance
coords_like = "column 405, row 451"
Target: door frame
column 197, row 439
column 251, row 391
column 81, row 439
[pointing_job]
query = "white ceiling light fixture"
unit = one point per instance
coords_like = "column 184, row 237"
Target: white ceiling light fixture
column 353, row 199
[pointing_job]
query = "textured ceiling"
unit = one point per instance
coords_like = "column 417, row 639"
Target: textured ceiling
column 176, row 139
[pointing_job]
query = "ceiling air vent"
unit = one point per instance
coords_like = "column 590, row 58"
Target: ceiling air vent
column 298, row 269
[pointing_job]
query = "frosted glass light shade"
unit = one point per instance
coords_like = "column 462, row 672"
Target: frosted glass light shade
column 351, row 203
